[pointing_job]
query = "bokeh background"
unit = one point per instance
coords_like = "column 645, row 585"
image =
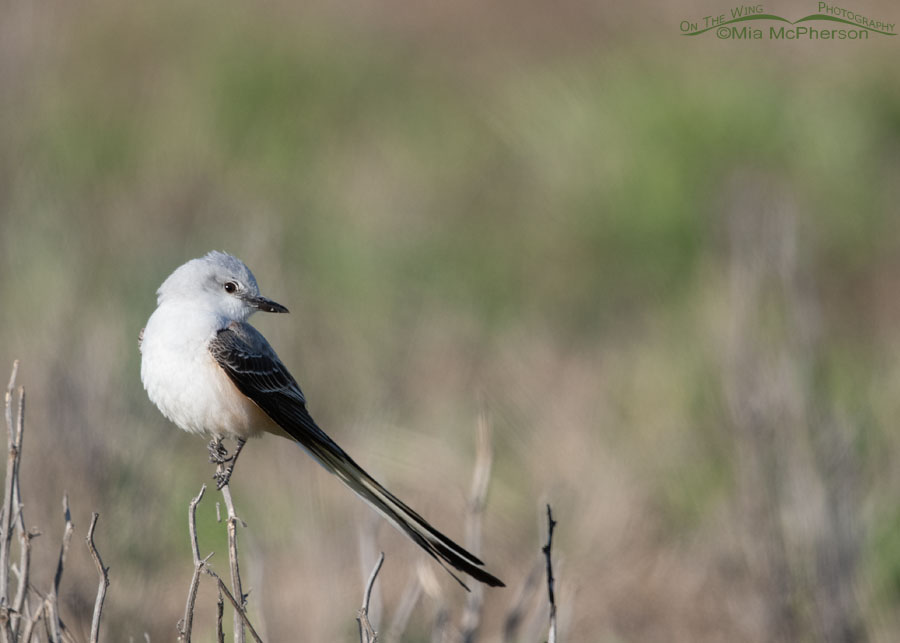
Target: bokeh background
column 664, row 268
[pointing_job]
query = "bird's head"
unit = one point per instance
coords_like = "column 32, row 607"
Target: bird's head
column 219, row 282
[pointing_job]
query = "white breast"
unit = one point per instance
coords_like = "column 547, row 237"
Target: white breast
column 186, row 383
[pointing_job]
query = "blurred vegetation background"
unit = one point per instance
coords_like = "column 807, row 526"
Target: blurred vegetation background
column 666, row 268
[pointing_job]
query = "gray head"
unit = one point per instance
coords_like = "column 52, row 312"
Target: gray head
column 220, row 282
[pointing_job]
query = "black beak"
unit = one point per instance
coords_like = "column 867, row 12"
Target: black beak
column 266, row 305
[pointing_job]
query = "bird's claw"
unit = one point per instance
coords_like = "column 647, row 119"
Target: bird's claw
column 218, row 454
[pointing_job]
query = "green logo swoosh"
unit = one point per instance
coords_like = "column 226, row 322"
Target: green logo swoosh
column 769, row 16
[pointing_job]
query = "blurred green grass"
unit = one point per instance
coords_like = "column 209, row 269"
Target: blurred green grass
column 544, row 227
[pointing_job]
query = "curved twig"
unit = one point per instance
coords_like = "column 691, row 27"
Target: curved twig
column 367, row 633
column 103, row 572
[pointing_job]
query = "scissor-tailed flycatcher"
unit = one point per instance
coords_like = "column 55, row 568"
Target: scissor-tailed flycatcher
column 212, row 373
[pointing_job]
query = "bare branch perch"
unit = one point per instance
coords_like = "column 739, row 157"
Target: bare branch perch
column 200, row 565
column 233, row 560
column 551, row 524
column 366, row 631
column 53, row 621
column 103, row 572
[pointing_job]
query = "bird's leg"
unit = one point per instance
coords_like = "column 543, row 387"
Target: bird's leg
column 226, row 466
column 217, row 452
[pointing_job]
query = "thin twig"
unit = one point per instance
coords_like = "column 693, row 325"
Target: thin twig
column 103, row 572
column 22, row 572
column 44, row 607
column 245, row 620
column 188, row 621
column 220, row 610
column 24, row 536
column 6, row 525
column 192, row 525
column 46, row 621
column 53, row 620
column 366, row 631
column 32, row 622
column 547, row 549
column 233, row 560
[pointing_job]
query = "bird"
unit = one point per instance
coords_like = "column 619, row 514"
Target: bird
column 213, row 374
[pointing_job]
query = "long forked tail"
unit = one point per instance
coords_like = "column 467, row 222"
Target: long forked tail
column 441, row 548
column 254, row 368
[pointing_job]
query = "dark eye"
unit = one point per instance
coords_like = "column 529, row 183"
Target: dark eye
column 230, row 286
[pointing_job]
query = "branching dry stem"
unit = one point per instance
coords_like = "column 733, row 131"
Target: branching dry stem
column 238, row 610
column 20, row 615
column 241, row 621
column 187, row 622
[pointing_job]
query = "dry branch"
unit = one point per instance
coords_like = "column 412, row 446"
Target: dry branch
column 53, row 621
column 551, row 524
column 8, row 508
column 233, row 560
column 103, row 572
column 366, row 631
column 32, row 622
column 20, row 616
column 24, row 570
column 187, row 622
column 238, row 610
column 200, row 565
column 220, row 611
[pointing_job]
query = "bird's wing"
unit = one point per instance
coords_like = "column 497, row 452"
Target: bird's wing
column 251, row 363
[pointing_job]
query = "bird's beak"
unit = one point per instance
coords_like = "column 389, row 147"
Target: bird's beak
column 266, row 305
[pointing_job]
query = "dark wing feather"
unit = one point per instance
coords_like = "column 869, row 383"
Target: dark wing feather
column 245, row 355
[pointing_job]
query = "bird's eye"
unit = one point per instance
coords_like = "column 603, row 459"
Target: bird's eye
column 230, row 286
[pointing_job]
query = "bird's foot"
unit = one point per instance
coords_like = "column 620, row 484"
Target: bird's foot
column 225, row 463
column 218, row 454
